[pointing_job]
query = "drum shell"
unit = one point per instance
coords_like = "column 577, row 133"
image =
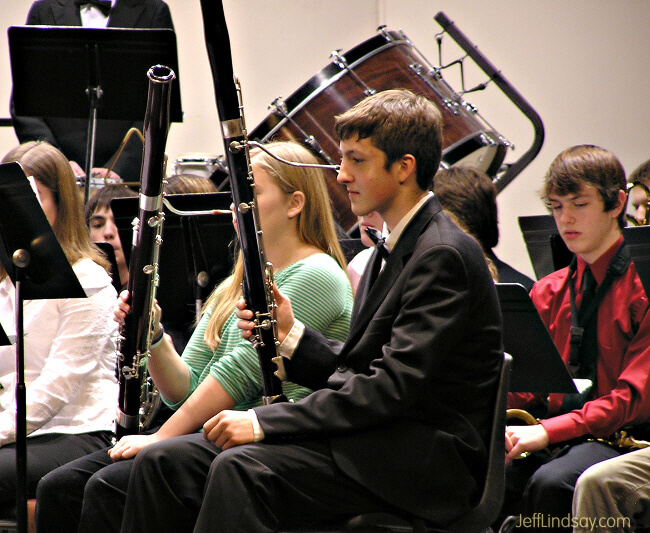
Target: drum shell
column 386, row 61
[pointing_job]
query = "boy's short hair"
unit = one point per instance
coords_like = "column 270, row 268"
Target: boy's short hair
column 587, row 165
column 398, row 122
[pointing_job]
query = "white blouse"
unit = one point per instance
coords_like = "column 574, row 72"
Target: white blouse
column 69, row 359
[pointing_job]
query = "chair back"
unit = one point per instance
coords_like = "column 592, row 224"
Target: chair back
column 489, row 506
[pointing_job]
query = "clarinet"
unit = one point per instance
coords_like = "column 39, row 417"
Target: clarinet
column 136, row 332
column 257, row 286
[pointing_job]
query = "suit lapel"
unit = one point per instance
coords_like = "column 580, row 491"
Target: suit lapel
column 391, row 271
column 66, row 13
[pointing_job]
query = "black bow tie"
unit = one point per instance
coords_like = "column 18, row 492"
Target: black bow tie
column 103, row 5
column 380, row 242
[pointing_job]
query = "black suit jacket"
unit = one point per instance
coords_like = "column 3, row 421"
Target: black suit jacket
column 69, row 135
column 406, row 402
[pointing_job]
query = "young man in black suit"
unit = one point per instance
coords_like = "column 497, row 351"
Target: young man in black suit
column 69, row 135
column 399, row 418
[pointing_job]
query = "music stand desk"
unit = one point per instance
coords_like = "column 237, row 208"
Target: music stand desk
column 52, row 66
column 537, row 365
column 546, row 248
column 91, row 73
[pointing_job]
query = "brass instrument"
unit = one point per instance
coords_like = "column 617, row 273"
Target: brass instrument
column 137, row 399
column 638, row 204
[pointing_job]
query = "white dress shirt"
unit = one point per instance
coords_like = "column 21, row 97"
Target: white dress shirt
column 92, row 17
column 69, row 359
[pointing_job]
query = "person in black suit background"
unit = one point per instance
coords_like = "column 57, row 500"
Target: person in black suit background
column 69, row 135
column 399, row 418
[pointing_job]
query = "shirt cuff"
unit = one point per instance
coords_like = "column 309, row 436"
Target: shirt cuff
column 288, row 346
column 257, row 429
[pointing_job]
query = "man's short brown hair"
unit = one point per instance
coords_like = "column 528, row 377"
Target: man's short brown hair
column 587, row 165
column 398, row 122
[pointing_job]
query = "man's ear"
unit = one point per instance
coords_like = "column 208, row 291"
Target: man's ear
column 407, row 167
column 296, row 204
column 620, row 204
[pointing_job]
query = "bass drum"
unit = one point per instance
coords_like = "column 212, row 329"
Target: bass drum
column 387, row 61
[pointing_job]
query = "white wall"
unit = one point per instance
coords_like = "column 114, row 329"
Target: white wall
column 582, row 65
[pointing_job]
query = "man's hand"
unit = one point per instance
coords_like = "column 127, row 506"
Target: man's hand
column 229, row 428
column 522, row 439
column 283, row 315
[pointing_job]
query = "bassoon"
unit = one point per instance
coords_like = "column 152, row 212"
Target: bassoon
column 136, row 332
column 257, row 286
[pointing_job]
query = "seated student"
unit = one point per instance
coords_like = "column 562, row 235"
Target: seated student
column 603, row 335
column 639, row 196
column 188, row 184
column 101, row 223
column 69, row 342
column 358, row 263
column 218, row 369
column 400, row 409
column 471, row 196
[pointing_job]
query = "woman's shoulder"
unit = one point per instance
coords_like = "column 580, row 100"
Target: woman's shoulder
column 91, row 276
column 319, row 264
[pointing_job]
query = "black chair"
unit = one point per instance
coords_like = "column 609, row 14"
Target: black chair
column 481, row 517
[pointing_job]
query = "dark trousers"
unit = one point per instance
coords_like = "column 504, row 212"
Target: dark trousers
column 187, row 484
column 44, row 454
column 541, row 487
column 85, row 495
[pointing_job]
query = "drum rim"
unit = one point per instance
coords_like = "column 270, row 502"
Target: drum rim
column 327, row 76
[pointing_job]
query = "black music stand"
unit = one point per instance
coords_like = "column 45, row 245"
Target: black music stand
column 637, row 239
column 35, row 262
column 196, row 253
column 546, row 248
column 537, row 365
column 74, row 72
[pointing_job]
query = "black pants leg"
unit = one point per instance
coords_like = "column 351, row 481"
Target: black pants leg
column 188, row 485
column 265, row 487
column 44, row 454
column 166, row 485
column 548, row 491
column 60, row 493
column 104, row 499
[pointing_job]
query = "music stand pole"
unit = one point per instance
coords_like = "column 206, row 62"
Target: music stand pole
column 94, row 93
column 20, row 260
column 32, row 256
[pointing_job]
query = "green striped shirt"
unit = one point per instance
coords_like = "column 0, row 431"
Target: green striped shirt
column 321, row 298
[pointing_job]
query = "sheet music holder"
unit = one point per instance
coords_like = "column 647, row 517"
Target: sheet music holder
column 32, row 256
column 92, row 73
column 546, row 248
column 191, row 245
column 637, row 239
column 537, row 365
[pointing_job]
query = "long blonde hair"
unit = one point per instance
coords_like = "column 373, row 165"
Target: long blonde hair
column 52, row 169
column 315, row 224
